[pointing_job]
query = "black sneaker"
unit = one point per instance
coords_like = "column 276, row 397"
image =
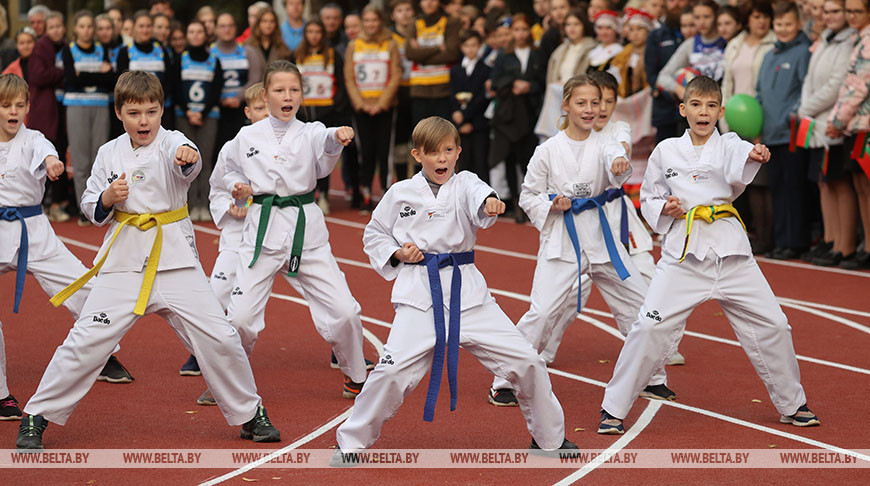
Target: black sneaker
column 114, row 372
column 260, row 429
column 190, row 367
column 503, row 398
column 817, row 251
column 610, row 425
column 567, row 445
column 9, row 409
column 30, row 432
column 333, row 363
column 658, row 392
column 343, row 459
column 804, row 417
column 858, row 261
column 829, row 259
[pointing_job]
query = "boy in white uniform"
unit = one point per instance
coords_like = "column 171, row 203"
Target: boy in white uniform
column 276, row 163
column 27, row 240
column 421, row 234
column 152, row 202
column 705, row 255
column 640, row 242
column 570, row 194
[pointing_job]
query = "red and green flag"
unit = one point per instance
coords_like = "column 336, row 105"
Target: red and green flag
column 805, row 132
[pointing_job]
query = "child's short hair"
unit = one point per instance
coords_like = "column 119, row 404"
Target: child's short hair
column 469, row 34
column 396, row 3
column 12, row 86
column 430, row 132
column 140, row 14
column 702, row 86
column 254, row 93
column 783, row 8
column 280, row 67
column 137, row 87
column 569, row 87
column 711, row 4
column 54, row 15
column 605, row 80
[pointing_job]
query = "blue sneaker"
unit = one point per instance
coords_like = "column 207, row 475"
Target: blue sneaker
column 190, row 367
column 610, row 425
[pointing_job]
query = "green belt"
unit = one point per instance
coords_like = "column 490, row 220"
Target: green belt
column 269, row 200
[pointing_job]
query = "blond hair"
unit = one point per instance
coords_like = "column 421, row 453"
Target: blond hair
column 12, row 86
column 568, row 90
column 430, row 132
column 137, row 87
column 254, row 93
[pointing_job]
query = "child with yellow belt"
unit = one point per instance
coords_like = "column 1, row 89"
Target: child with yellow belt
column 686, row 195
column 139, row 187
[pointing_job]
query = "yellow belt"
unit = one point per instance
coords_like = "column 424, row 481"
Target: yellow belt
column 708, row 214
column 142, row 222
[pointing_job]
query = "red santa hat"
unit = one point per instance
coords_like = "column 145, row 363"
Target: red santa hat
column 607, row 18
column 634, row 16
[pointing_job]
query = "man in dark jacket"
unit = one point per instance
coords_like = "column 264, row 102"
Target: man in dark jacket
column 660, row 46
column 468, row 101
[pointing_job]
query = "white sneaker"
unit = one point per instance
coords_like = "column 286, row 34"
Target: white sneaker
column 323, row 204
column 676, row 359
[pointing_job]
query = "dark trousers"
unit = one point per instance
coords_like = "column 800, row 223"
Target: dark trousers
column 514, row 154
column 232, row 120
column 670, row 130
column 475, row 153
column 790, row 192
column 425, row 107
column 374, row 139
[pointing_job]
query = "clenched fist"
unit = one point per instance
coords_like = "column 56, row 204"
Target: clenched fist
column 117, row 192
column 185, row 155
column 408, row 253
column 344, row 135
column 673, row 207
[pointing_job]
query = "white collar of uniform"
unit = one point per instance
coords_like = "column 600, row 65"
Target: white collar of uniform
column 688, row 147
column 423, row 185
column 142, row 149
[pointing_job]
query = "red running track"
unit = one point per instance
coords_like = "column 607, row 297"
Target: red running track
column 302, row 393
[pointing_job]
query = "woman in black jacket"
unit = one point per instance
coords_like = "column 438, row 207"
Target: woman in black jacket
column 518, row 79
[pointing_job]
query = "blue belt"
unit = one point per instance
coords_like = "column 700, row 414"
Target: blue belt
column 578, row 205
column 434, row 262
column 19, row 214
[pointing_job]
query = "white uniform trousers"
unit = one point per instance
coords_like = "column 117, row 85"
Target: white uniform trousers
column 53, row 274
column 554, row 300
column 642, row 261
column 223, row 281
column 488, row 334
column 320, row 282
column 182, row 297
column 738, row 285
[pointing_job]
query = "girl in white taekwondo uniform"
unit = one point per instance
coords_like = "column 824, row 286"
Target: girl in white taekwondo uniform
column 27, row 241
column 640, row 242
column 422, row 224
column 705, row 255
column 139, row 186
column 276, row 163
column 568, row 184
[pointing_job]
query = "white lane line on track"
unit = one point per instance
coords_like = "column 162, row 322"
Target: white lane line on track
column 527, row 256
column 645, row 418
column 808, row 307
column 727, row 418
column 615, row 332
column 377, row 343
column 263, row 460
column 590, row 381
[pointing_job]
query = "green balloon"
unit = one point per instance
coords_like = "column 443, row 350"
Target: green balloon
column 744, row 116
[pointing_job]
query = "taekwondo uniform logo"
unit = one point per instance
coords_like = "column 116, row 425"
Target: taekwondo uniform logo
column 112, row 177
column 252, row 152
column 102, row 318
column 407, row 211
column 670, row 173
